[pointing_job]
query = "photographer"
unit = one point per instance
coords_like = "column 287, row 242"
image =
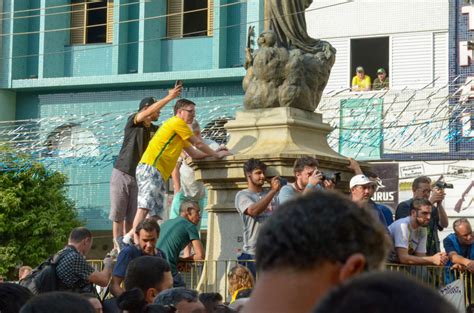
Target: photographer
column 255, row 204
column 421, row 188
column 307, row 178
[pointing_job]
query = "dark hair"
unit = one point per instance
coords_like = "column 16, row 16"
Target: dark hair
column 148, row 225
column 300, row 163
column 78, row 234
column 181, row 103
column 418, row 202
column 318, row 227
column 158, row 308
column 420, row 180
column 145, row 272
column 12, row 297
column 252, row 164
column 383, row 292
column 132, row 300
column 175, row 295
column 58, row 302
column 210, row 300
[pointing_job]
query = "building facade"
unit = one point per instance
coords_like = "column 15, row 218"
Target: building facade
column 73, row 70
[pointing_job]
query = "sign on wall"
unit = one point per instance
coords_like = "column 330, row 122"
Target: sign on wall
column 360, row 134
column 388, row 174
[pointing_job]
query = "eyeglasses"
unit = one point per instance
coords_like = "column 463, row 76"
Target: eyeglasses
column 189, row 110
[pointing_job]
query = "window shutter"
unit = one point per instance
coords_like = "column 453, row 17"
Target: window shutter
column 110, row 21
column 175, row 19
column 78, row 23
column 210, row 18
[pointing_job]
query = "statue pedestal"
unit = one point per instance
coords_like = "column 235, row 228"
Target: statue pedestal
column 277, row 137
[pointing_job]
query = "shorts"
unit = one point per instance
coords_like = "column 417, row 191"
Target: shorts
column 151, row 190
column 123, row 197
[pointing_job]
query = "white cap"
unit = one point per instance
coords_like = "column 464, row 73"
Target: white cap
column 360, row 180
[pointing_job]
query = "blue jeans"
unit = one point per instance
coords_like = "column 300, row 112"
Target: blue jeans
column 248, row 260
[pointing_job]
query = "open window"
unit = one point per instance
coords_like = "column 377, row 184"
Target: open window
column 92, row 21
column 190, row 18
column 371, row 54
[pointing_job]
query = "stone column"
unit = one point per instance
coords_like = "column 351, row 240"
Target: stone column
column 277, row 137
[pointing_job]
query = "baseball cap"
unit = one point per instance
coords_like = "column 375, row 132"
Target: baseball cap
column 360, row 69
column 380, row 70
column 360, row 180
column 146, row 102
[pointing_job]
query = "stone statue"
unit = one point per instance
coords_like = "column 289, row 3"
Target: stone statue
column 289, row 69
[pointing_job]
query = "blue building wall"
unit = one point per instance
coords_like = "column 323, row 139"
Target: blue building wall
column 96, row 86
column 186, row 54
column 103, row 114
column 77, row 60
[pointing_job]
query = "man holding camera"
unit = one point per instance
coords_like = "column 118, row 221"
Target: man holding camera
column 307, row 178
column 421, row 188
column 255, row 204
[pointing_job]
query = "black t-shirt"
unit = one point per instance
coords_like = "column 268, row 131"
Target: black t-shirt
column 135, row 141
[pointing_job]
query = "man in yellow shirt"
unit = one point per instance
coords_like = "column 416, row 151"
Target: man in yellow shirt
column 361, row 82
column 160, row 158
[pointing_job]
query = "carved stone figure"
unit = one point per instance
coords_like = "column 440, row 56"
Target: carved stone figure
column 290, row 69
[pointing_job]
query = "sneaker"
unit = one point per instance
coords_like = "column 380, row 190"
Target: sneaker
column 127, row 240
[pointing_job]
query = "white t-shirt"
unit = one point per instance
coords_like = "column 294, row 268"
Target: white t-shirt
column 192, row 189
column 404, row 236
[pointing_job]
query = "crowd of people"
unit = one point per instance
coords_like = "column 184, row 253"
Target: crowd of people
column 309, row 245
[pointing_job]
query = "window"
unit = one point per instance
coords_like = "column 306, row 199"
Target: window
column 190, row 18
column 371, row 54
column 92, row 21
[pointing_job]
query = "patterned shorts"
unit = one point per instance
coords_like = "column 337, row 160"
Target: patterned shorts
column 151, row 189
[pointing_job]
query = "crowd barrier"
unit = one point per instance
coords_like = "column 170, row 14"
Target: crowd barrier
column 211, row 275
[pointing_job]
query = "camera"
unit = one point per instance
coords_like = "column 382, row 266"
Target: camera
column 443, row 185
column 334, row 177
column 283, row 181
column 178, row 83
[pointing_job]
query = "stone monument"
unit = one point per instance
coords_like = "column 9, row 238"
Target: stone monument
column 285, row 79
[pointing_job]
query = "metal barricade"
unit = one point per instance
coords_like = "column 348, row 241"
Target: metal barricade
column 211, row 275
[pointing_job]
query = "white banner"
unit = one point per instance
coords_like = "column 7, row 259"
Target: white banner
column 454, row 293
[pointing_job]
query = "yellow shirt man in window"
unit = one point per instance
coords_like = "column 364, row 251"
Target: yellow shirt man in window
column 361, row 82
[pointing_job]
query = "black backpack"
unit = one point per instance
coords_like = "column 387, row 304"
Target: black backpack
column 43, row 278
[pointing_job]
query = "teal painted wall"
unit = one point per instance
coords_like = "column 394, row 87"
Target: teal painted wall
column 186, row 54
column 101, row 116
column 152, row 32
column 53, row 43
column 26, row 106
column 137, row 46
column 7, row 105
column 132, row 38
column 88, row 60
column 236, row 34
column 25, row 40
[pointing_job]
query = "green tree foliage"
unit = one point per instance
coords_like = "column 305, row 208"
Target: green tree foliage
column 36, row 215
